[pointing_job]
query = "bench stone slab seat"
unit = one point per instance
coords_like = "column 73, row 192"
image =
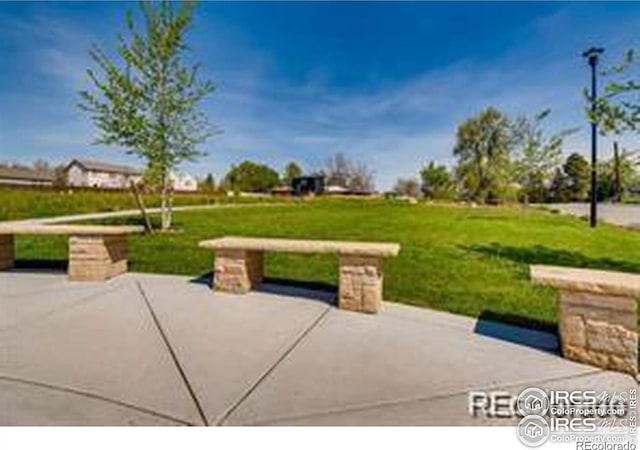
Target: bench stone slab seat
column 598, row 315
column 96, row 252
column 239, row 266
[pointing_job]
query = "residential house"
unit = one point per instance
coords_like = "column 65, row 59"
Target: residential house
column 183, row 182
column 85, row 173
column 282, row 191
column 335, row 189
column 24, row 176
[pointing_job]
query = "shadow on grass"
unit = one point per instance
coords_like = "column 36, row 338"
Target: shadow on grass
column 539, row 254
column 41, row 264
column 519, row 330
column 130, row 220
column 312, row 290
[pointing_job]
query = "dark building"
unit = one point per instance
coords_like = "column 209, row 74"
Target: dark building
column 312, row 185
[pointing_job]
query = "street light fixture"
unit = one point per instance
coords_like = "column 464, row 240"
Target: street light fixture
column 592, row 56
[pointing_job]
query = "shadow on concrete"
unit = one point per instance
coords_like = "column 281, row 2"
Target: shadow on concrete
column 518, row 330
column 312, row 290
column 53, row 265
column 539, row 254
column 205, row 278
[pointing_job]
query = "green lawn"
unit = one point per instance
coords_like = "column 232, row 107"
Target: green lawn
column 463, row 260
column 26, row 203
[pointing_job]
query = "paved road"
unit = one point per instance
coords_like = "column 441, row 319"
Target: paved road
column 623, row 215
column 165, row 350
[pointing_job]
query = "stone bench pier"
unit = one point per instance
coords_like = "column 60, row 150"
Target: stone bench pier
column 597, row 315
column 96, row 252
column 239, row 266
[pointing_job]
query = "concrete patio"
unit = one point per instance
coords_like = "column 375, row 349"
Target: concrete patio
column 164, row 350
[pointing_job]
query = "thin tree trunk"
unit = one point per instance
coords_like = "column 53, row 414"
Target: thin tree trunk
column 617, row 175
column 140, row 203
column 170, row 206
column 164, row 206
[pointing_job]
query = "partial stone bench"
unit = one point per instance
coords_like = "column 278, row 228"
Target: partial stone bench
column 598, row 315
column 96, row 252
column 239, row 266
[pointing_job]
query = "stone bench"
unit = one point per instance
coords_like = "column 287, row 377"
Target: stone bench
column 239, row 266
column 96, row 252
column 598, row 315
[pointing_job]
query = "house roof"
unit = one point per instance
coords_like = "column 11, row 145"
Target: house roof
column 99, row 166
column 23, row 173
column 336, row 188
column 282, row 189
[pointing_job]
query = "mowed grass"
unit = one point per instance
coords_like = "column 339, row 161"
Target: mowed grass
column 463, row 260
column 27, row 203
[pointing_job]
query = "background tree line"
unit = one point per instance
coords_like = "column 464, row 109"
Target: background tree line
column 250, row 176
column 501, row 159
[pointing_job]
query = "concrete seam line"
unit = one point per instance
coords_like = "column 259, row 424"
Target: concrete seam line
column 272, row 368
column 91, row 395
column 405, row 401
column 173, row 355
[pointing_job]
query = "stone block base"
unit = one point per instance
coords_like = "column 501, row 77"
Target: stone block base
column 97, row 258
column 600, row 330
column 237, row 271
column 360, row 284
column 6, row 251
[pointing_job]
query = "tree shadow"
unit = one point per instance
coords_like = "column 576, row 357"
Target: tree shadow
column 538, row 334
column 539, row 254
column 131, row 220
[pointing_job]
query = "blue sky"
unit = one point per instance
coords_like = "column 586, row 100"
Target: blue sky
column 385, row 83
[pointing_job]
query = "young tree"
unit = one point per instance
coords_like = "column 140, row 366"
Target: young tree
column 291, row 171
column 483, row 149
column 341, row 171
column 437, row 182
column 618, row 109
column 146, row 100
column 617, row 175
column 536, row 155
column 408, row 187
column 361, row 179
column 337, row 170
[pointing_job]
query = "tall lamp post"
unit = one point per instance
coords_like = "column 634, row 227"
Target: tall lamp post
column 592, row 56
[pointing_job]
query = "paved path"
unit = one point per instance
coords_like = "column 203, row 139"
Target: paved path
column 135, row 212
column 164, row 350
column 623, row 215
